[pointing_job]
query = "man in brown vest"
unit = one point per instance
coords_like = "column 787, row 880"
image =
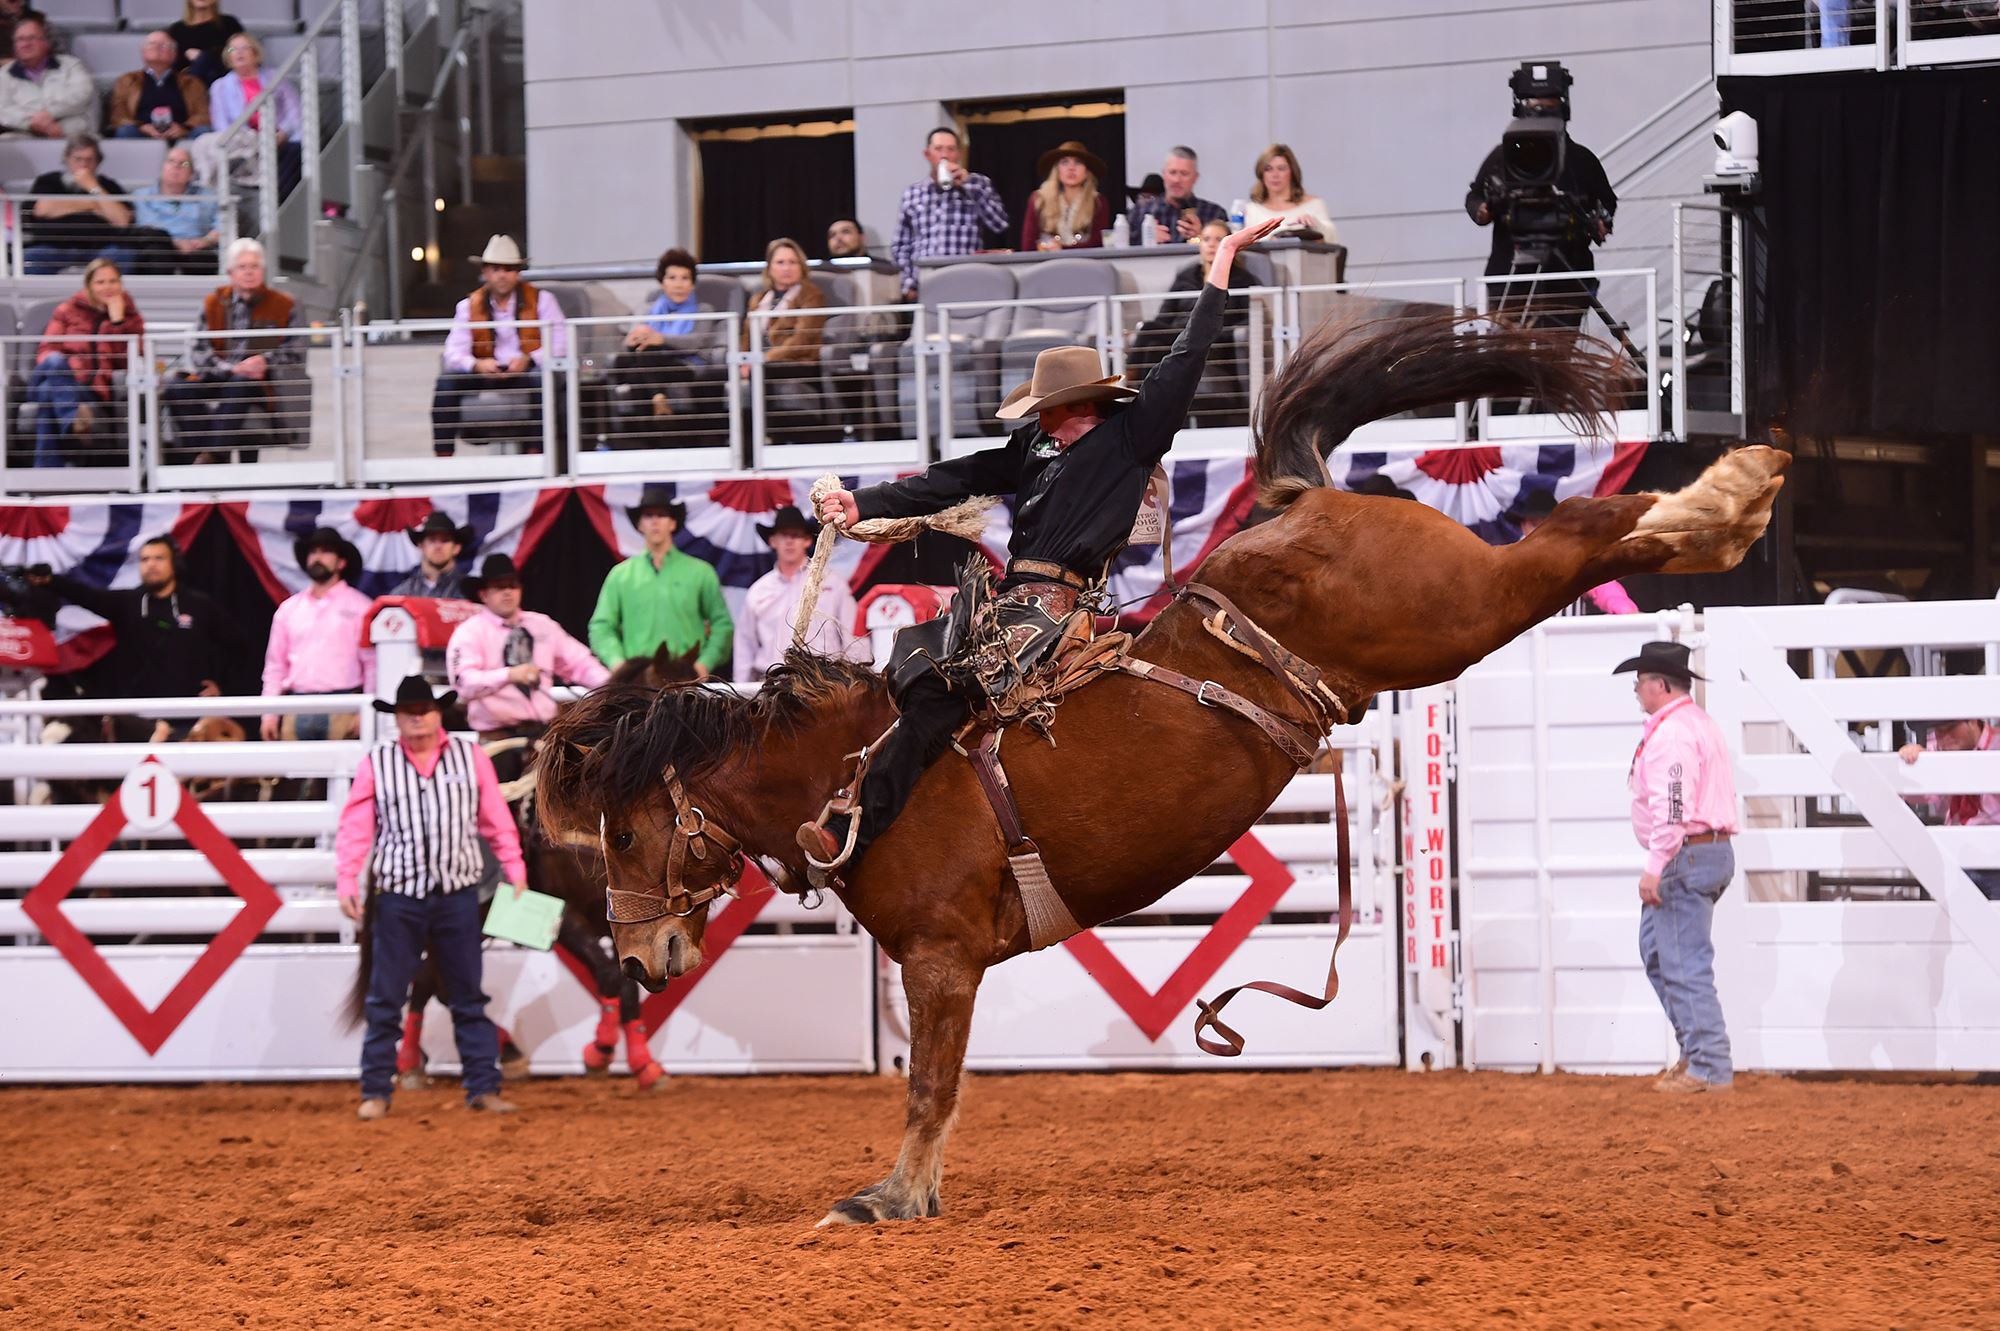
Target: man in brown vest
column 226, row 378
column 489, row 350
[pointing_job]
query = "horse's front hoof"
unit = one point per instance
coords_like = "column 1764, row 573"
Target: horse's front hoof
column 652, row 1077
column 597, row 1059
column 416, row 1079
column 872, row 1205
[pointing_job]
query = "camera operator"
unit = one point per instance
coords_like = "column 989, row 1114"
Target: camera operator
column 171, row 641
column 1547, row 199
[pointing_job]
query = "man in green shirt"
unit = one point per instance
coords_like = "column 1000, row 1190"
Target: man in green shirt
column 662, row 596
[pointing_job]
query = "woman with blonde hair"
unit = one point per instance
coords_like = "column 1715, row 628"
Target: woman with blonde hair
column 786, row 287
column 84, row 345
column 1280, row 192
column 1067, row 212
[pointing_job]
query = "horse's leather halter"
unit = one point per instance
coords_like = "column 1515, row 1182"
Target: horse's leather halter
column 694, row 838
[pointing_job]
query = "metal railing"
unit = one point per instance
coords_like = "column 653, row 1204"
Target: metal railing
column 517, row 418
column 1619, row 305
column 1315, row 309
column 1800, row 36
column 135, row 260
column 830, row 407
column 1707, row 380
column 214, row 418
column 676, row 407
column 37, row 454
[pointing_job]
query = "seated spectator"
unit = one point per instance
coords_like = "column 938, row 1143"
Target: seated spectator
column 1280, row 192
column 1963, row 736
column 1067, row 212
column 230, row 96
column 73, row 368
column 662, row 347
column 505, row 660
column 786, row 287
column 1156, row 335
column 80, row 218
column 157, row 101
column 175, row 225
column 846, row 240
column 44, row 95
column 227, row 378
column 1177, row 213
column 764, row 633
column 487, row 358
column 199, row 39
column 946, row 212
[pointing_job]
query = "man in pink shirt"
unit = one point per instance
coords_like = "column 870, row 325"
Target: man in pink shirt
column 1683, row 813
column 764, row 630
column 315, row 644
column 503, row 660
column 1967, row 735
column 1609, row 598
column 418, row 809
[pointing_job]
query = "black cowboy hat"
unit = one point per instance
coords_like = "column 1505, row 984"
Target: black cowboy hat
column 788, row 518
column 326, row 538
column 1537, row 504
column 413, row 690
column 439, row 524
column 660, row 497
column 495, row 568
column 1661, row 658
column 1152, row 185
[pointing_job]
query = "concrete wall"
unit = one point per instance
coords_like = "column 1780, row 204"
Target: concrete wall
column 1390, row 104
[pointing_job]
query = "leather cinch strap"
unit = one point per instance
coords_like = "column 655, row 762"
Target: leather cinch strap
column 1049, row 919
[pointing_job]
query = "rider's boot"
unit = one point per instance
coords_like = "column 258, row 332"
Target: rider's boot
column 822, row 845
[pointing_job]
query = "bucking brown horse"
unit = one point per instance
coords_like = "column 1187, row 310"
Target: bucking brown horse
column 1145, row 786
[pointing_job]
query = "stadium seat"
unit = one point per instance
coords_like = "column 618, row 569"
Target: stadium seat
column 78, row 16
column 974, row 335
column 1035, row 328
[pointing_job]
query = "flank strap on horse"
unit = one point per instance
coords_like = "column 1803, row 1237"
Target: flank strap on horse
column 693, row 838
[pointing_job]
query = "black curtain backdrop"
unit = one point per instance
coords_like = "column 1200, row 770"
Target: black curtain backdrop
column 1007, row 154
column 755, row 191
column 1880, row 196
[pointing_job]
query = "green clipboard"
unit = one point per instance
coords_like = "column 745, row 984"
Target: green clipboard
column 530, row 919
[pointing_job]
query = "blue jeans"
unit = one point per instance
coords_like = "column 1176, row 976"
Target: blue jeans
column 55, row 390
column 446, row 925
column 45, row 258
column 1679, row 954
column 132, row 132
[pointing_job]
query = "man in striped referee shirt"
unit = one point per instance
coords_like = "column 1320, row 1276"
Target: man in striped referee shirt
column 415, row 815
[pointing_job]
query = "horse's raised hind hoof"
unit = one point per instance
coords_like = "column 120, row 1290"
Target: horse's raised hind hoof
column 1709, row 524
column 873, row 1205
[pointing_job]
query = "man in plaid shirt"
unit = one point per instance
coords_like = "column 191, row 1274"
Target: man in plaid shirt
column 1179, row 213
column 940, row 219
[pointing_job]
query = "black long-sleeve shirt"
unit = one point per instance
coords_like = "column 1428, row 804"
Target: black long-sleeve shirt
column 166, row 646
column 1076, row 504
column 1582, row 178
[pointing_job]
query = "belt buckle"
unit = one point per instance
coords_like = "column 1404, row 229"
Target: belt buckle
column 1201, row 694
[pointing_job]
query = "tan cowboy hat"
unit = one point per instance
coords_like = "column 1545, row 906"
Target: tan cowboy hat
column 1064, row 375
column 1070, row 148
column 502, row 252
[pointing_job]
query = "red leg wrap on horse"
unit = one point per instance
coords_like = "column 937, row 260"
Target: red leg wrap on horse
column 607, row 1022
column 410, row 1054
column 639, row 1057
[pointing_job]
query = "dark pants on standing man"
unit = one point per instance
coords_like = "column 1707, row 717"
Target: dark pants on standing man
column 403, row 929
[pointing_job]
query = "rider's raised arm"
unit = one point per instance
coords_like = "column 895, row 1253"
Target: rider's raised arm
column 1168, row 389
column 991, row 471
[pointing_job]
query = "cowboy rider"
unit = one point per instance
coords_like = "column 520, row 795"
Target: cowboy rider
column 1079, row 472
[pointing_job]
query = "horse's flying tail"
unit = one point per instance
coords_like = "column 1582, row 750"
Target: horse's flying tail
column 1348, row 375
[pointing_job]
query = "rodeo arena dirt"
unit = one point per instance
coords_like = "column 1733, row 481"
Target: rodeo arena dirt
column 1240, row 885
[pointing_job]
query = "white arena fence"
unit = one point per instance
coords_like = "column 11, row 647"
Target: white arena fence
column 888, row 385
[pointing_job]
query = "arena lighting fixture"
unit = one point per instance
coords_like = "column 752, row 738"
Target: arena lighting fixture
column 438, row 204
column 417, row 253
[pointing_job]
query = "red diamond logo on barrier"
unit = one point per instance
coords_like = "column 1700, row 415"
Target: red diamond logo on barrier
column 151, row 797
column 1152, row 1011
column 728, row 925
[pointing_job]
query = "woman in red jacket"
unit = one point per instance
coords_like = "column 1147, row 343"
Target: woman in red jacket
column 73, row 368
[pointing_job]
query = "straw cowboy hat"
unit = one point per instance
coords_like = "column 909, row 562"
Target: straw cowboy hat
column 1064, row 375
column 440, row 524
column 502, row 251
column 1070, row 148
column 415, row 691
column 662, row 498
column 788, row 518
column 326, row 538
column 1661, row 658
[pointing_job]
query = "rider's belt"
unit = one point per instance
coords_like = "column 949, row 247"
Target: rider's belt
column 1703, row 838
column 1045, row 570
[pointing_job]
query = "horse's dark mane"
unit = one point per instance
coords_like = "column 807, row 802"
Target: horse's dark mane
column 608, row 749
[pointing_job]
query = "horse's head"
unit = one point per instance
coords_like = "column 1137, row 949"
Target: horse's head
column 677, row 785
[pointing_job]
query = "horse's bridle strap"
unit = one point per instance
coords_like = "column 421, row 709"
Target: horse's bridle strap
column 693, row 836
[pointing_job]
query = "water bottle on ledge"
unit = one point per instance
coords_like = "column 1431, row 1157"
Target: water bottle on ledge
column 1237, row 208
column 1121, row 233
